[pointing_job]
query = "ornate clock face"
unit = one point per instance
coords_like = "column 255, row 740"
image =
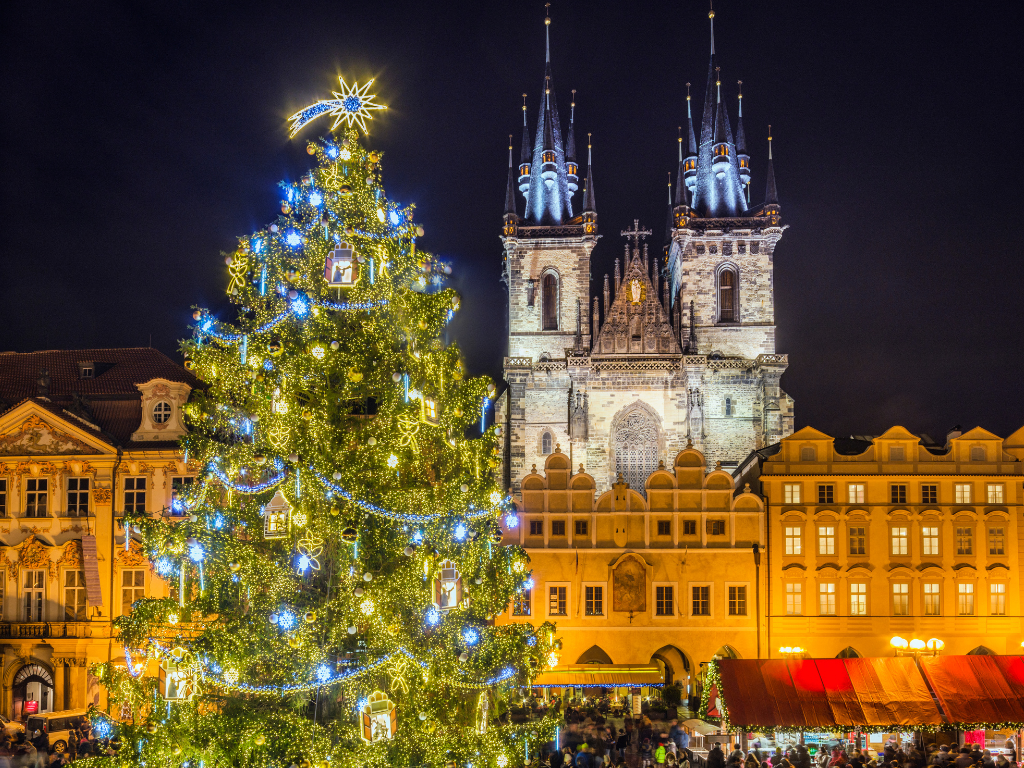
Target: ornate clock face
column 637, row 291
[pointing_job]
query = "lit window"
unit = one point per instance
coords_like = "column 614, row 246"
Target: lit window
column 794, row 599
column 663, row 601
column 74, row 595
column 793, row 541
column 826, row 540
column 521, row 603
column 900, row 599
column 930, row 540
column 827, row 599
column 931, row 599
column 594, row 598
column 855, row 493
column 826, row 494
column 965, row 599
column 430, row 414
column 702, row 601
column 898, row 494
column 858, row 599
column 36, row 497
column 738, row 601
column 996, row 541
column 962, row 493
column 994, row 493
column 858, row 540
column 791, row 493
column 997, row 599
column 965, row 540
column 929, row 494
column 900, row 541
column 161, row 412
column 78, row 497
column 557, row 602
column 133, row 588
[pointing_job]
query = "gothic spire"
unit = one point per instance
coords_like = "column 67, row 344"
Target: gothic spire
column 571, row 168
column 510, row 190
column 771, row 196
column 742, row 156
column 682, row 177
column 589, row 201
column 524, row 157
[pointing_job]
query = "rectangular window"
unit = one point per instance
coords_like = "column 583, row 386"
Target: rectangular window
column 858, row 540
column 521, row 603
column 556, row 601
column 74, row 595
column 932, row 606
column 180, row 485
column 896, row 453
column 855, row 493
column 716, row 527
column 898, row 494
column 32, row 596
column 738, row 601
column 78, row 497
column 791, row 493
column 558, row 527
column 135, row 494
column 689, row 527
column 702, row 601
column 581, row 527
column 826, row 539
column 536, row 527
column 133, row 587
column 930, row 540
column 996, row 541
column 794, row 599
column 965, row 599
column 827, row 599
column 794, row 544
column 858, row 599
column 3, row 498
column 664, row 527
column 664, row 603
column 36, row 497
column 929, row 494
column 900, row 541
column 994, row 493
column 965, row 540
column 594, row 597
column 997, row 599
column 962, row 493
column 900, row 599
column 826, row 494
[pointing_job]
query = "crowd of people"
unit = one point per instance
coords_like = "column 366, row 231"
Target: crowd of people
column 33, row 750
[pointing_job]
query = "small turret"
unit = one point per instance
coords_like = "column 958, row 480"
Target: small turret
column 589, row 201
column 571, row 168
column 525, row 156
column 607, row 295
column 690, row 164
column 685, row 181
column 548, row 158
column 741, row 145
column 720, row 149
column 595, row 323
column 772, row 209
column 510, row 196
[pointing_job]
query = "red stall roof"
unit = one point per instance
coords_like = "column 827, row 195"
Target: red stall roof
column 978, row 689
column 812, row 693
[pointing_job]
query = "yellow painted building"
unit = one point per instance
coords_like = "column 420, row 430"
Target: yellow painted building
column 871, row 539
column 84, row 435
column 665, row 576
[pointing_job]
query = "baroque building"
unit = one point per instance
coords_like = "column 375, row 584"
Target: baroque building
column 84, row 436
column 871, row 538
column 676, row 351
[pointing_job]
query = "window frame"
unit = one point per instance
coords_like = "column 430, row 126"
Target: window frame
column 79, row 592
column 522, row 599
column 931, row 599
column 594, row 593
column 559, row 524
column 567, row 599
column 689, row 528
column 826, row 493
column 549, row 305
column 861, row 538
column 929, row 493
column 904, row 537
column 899, row 602
column 858, row 598
column 78, row 491
column 930, row 543
column 710, row 587
column 898, row 493
column 827, row 599
column 965, row 594
column 962, row 493
column 663, row 527
column 794, row 594
column 856, row 493
column 3, row 497
column 580, row 528
column 993, row 537
column 539, row 525
column 712, row 526
column 734, row 294
column 179, row 482
column 793, row 542
column 546, row 441
column 964, row 534
column 791, row 493
column 33, row 489
column 134, row 490
column 997, row 593
column 736, row 597
column 659, row 598
column 995, row 489
column 26, row 589
column 127, row 609
column 161, row 412
column 827, row 539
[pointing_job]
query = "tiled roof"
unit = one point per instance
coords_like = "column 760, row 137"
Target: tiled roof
column 112, row 397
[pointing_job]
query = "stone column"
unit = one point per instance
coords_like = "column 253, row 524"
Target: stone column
column 58, row 685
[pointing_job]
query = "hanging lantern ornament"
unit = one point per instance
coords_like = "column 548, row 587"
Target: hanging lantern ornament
column 447, row 587
column 379, row 717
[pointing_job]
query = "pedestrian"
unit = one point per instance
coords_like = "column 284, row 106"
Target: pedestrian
column 42, row 744
column 751, row 761
column 975, row 753
column 1011, row 751
column 646, row 753
column 735, row 759
column 621, row 743
column 660, row 753
column 716, row 759
column 986, row 759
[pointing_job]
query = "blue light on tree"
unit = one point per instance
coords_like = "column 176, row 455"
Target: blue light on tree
column 195, row 551
column 286, row 620
column 164, row 566
column 315, row 198
column 433, row 617
column 332, row 152
column 352, row 103
column 460, row 532
column 511, row 520
column 395, row 218
column 323, row 673
column 471, row 635
column 303, row 564
column 293, row 238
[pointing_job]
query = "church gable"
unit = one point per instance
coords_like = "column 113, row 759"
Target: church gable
column 24, row 432
column 636, row 323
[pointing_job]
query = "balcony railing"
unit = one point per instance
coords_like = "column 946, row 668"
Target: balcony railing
column 43, row 629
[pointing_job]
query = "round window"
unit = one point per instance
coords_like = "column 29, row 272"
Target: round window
column 161, row 412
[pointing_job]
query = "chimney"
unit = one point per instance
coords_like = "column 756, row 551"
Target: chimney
column 954, row 433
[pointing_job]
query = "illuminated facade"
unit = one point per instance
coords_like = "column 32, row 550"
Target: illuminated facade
column 671, row 579
column 871, row 539
column 676, row 350
column 84, row 435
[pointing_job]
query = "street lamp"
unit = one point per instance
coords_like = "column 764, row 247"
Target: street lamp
column 915, row 647
column 792, row 651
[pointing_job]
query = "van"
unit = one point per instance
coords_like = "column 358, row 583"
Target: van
column 57, row 726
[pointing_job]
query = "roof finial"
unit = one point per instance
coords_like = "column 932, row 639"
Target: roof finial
column 739, row 84
column 711, row 15
column 588, row 146
column 547, row 33
column 769, row 142
column 572, row 107
column 510, row 150
column 524, row 110
column 669, row 180
column 718, row 83
column 680, row 146
column 687, row 101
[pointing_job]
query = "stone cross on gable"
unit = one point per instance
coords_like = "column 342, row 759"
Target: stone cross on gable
column 636, row 234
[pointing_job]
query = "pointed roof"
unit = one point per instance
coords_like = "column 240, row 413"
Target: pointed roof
column 682, row 193
column 570, row 144
column 808, row 433
column 589, row 201
column 771, row 196
column 510, row 189
column 527, row 152
column 741, row 136
column 691, row 142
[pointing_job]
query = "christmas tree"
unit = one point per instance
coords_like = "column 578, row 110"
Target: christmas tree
column 336, row 566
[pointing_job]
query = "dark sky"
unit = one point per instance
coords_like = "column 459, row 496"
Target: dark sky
column 139, row 139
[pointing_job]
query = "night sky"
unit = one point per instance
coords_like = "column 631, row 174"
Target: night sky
column 140, row 139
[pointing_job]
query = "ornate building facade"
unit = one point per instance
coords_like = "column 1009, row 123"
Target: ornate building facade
column 675, row 351
column 84, row 435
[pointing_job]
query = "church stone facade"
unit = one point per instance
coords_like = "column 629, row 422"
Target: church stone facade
column 677, row 349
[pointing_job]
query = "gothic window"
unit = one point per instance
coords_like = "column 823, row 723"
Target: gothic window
column 636, row 449
column 545, row 443
column 550, row 302
column 728, row 406
column 727, row 296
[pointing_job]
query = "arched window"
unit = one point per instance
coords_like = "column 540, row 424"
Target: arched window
column 977, row 453
column 807, row 453
column 727, row 296
column 545, row 443
column 849, row 652
column 550, row 302
column 728, row 406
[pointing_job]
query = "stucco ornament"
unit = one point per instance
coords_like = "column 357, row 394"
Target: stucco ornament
column 36, row 436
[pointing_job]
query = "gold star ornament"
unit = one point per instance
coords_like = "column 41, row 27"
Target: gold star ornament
column 351, row 106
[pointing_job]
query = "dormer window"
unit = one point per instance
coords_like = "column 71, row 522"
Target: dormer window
column 87, row 370
column 161, row 412
column 977, row 453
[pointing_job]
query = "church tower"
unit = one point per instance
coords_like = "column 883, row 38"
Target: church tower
column 547, row 274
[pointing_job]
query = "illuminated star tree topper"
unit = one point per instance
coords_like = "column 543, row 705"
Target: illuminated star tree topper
column 352, row 106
